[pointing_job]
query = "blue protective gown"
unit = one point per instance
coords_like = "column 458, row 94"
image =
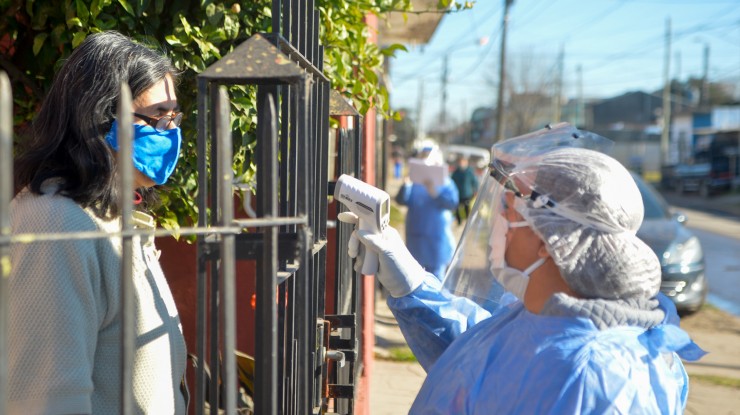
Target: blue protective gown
column 428, row 234
column 516, row 362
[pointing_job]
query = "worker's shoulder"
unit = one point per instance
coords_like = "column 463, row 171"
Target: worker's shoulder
column 614, row 347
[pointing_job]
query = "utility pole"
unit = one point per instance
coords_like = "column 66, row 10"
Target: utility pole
column 557, row 104
column 420, row 111
column 443, row 116
column 465, row 123
column 704, row 100
column 665, row 133
column 677, row 72
column 580, row 113
column 502, row 74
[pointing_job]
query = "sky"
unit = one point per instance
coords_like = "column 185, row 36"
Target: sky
column 619, row 46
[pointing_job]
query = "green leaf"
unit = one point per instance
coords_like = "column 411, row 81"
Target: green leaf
column 40, row 18
column 371, row 76
column 444, row 4
column 95, row 8
column 74, row 22
column 82, row 12
column 186, row 26
column 29, row 8
column 38, row 42
column 392, row 49
column 210, row 12
column 127, row 7
column 106, row 24
column 172, row 40
column 141, row 5
column 78, row 38
column 231, row 25
column 170, row 223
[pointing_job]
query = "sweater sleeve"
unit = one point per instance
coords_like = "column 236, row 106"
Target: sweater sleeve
column 56, row 309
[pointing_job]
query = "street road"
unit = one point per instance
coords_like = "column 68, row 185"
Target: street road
column 720, row 240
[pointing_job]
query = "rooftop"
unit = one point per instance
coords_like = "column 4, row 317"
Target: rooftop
column 410, row 28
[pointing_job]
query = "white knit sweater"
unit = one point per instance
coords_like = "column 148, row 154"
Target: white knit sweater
column 64, row 329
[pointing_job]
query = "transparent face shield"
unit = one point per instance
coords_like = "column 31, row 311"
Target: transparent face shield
column 512, row 170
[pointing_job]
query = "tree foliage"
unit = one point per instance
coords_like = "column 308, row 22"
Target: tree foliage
column 36, row 37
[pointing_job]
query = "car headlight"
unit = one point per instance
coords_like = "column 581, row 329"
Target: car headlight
column 686, row 252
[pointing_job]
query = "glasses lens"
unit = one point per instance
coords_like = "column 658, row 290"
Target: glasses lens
column 162, row 123
column 168, row 122
column 177, row 120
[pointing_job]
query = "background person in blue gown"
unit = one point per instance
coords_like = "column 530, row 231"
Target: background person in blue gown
column 429, row 216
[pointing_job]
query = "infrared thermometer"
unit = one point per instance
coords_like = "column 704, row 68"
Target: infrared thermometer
column 371, row 205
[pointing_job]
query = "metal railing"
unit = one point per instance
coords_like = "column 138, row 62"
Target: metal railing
column 300, row 351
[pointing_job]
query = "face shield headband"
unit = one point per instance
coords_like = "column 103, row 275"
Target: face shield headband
column 513, row 162
column 538, row 200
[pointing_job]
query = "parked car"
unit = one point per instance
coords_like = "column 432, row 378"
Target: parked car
column 679, row 250
column 715, row 167
column 478, row 157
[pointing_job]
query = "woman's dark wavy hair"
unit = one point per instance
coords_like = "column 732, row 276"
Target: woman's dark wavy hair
column 69, row 132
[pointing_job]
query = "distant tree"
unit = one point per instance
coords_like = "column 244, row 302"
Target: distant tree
column 690, row 92
column 530, row 84
column 404, row 128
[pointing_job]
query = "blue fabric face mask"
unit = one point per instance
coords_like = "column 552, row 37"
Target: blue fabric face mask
column 155, row 153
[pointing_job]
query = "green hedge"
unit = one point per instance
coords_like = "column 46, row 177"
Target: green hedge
column 36, row 36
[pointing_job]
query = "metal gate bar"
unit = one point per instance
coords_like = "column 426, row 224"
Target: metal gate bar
column 348, row 289
column 6, row 193
column 266, row 347
column 126, row 169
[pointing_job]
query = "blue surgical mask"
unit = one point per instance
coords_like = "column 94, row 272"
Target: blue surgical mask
column 155, row 152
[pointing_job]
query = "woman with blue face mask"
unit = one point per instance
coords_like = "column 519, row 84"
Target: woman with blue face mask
column 65, row 296
column 551, row 304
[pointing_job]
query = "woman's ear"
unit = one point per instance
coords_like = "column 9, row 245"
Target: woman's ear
column 542, row 250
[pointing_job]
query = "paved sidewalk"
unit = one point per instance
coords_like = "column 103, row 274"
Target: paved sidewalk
column 394, row 385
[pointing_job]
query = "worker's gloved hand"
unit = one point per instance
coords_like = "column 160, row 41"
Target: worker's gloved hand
column 431, row 188
column 398, row 271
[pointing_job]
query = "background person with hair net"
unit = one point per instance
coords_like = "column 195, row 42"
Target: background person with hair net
column 551, row 304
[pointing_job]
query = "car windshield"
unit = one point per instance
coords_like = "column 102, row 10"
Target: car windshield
column 655, row 206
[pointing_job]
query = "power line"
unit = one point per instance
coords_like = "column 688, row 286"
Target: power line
column 602, row 14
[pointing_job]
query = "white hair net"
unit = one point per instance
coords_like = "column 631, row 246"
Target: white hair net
column 587, row 208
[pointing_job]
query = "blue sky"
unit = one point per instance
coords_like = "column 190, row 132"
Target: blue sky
column 618, row 44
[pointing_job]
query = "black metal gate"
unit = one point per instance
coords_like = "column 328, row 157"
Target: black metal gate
column 305, row 360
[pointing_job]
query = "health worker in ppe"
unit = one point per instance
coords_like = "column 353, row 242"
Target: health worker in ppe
column 551, row 304
column 429, row 216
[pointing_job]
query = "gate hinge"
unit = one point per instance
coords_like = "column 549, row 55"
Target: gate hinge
column 341, row 391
